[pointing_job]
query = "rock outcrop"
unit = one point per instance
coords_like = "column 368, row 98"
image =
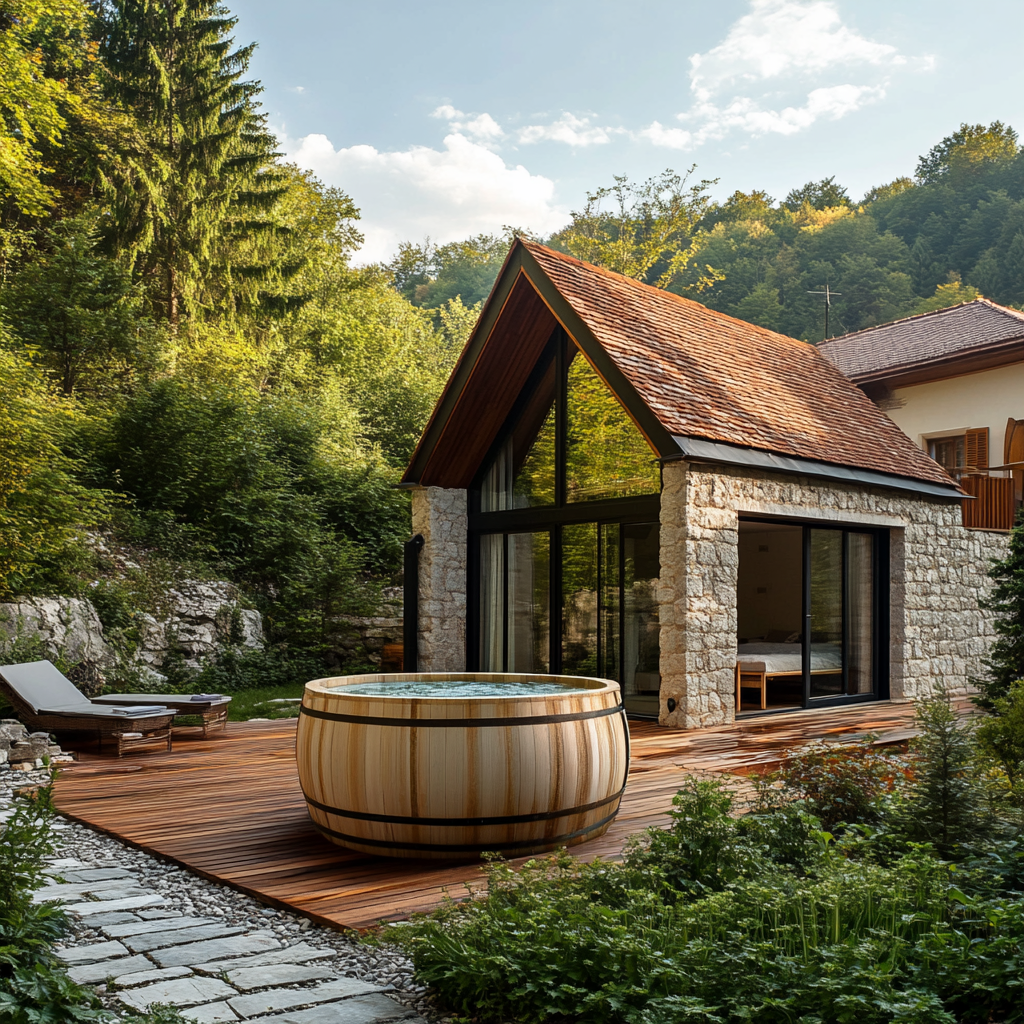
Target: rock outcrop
column 68, row 627
column 204, row 617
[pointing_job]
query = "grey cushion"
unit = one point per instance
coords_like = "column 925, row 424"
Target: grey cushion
column 43, row 688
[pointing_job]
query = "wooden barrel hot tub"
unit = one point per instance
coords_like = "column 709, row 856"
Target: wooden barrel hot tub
column 535, row 763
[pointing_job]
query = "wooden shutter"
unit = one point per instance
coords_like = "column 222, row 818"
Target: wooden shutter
column 976, row 449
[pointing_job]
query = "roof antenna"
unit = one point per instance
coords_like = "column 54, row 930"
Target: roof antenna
column 828, row 304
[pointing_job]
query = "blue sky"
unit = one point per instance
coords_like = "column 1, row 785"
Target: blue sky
column 449, row 118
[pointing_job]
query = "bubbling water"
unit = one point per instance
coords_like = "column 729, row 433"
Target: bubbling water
column 459, row 688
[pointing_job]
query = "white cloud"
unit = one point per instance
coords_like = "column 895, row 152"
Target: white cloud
column 670, row 138
column 448, row 193
column 482, row 127
column 572, row 130
column 768, row 53
column 785, row 37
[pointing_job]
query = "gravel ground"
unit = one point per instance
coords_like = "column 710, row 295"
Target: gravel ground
column 189, row 894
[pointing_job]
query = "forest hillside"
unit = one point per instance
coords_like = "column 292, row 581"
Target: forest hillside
column 198, row 382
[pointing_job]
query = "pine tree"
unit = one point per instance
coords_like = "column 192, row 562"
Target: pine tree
column 211, row 158
column 1005, row 662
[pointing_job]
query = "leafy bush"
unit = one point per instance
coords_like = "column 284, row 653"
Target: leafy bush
column 761, row 916
column 833, row 940
column 1001, row 737
column 840, row 783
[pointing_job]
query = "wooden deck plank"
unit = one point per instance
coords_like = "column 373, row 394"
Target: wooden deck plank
column 230, row 808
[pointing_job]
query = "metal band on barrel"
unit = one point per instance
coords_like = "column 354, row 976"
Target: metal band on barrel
column 461, row 723
column 522, row 844
column 505, row 819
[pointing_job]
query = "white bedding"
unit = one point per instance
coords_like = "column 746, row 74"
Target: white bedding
column 772, row 658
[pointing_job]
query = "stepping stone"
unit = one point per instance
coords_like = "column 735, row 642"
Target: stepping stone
column 216, row 949
column 286, row 999
column 64, row 890
column 156, row 915
column 54, row 866
column 300, row 953
column 173, row 936
column 92, row 953
column 106, row 891
column 249, row 978
column 96, row 874
column 105, row 906
column 146, row 976
column 137, row 927
column 94, row 974
column 360, row 1010
column 180, row 992
column 105, row 921
column 211, row 1013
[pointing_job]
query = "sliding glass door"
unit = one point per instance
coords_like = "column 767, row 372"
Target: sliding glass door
column 575, row 599
column 812, row 613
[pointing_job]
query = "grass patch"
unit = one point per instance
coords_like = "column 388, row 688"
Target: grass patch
column 255, row 703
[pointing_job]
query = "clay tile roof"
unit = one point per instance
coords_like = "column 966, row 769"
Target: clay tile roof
column 968, row 328
column 708, row 375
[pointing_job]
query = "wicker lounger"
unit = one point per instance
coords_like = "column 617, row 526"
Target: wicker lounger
column 47, row 700
column 214, row 713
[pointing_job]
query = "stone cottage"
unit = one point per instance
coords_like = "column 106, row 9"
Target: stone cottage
column 620, row 482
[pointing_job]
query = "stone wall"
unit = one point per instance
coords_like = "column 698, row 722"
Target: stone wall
column 441, row 515
column 938, row 571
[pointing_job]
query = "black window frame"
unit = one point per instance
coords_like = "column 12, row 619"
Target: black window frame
column 550, row 518
column 880, row 610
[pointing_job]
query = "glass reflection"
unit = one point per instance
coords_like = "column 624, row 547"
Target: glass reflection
column 579, row 599
column 605, row 455
column 641, row 675
column 860, row 587
column 826, row 612
column 529, row 630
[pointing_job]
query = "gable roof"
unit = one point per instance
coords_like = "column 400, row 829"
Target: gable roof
column 680, row 369
column 971, row 335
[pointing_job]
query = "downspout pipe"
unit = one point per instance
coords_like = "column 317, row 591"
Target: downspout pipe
column 411, row 604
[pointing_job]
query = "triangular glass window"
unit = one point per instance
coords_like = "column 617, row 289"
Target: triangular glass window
column 606, row 456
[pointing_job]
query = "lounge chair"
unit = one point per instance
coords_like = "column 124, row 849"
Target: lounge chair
column 211, row 707
column 47, row 700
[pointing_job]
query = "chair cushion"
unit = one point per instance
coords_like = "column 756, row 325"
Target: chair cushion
column 42, row 687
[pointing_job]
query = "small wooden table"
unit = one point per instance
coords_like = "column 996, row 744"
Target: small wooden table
column 214, row 713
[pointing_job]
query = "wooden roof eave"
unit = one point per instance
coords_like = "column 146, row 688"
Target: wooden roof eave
column 520, row 262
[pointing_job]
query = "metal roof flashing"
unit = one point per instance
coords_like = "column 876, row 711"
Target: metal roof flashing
column 695, row 449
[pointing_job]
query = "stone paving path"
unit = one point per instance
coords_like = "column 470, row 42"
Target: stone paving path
column 147, row 931
column 144, row 952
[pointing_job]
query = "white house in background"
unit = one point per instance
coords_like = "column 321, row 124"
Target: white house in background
column 953, row 381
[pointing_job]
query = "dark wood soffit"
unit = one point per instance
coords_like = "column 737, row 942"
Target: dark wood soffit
column 636, row 408
column 494, row 381
column 493, row 306
column 958, row 365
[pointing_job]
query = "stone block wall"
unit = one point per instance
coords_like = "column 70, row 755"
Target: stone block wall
column 441, row 515
column 937, row 570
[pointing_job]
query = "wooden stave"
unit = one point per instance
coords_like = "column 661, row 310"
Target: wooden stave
column 496, row 761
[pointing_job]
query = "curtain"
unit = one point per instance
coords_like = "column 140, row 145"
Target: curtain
column 492, row 602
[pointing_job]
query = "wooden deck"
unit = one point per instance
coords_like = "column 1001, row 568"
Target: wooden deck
column 230, row 808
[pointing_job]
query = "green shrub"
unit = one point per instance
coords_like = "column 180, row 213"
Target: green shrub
column 1001, row 737
column 839, row 783
column 945, row 805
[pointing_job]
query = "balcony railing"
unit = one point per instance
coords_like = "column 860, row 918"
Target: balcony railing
column 993, row 502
